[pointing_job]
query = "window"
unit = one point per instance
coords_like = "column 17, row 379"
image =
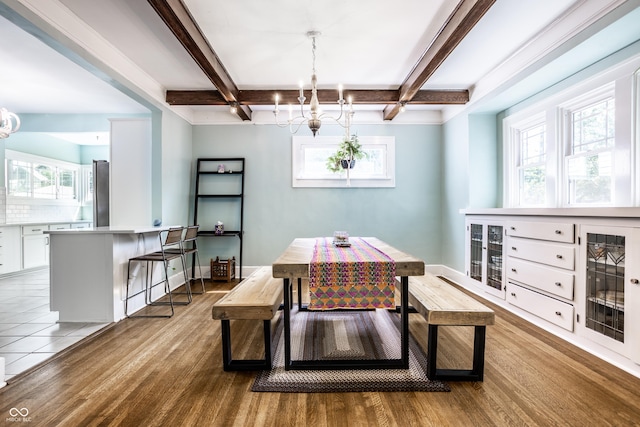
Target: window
column 577, row 147
column 40, row 178
column 310, row 163
column 531, row 165
column 589, row 163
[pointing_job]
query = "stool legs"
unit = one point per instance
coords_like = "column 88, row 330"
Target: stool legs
column 148, row 286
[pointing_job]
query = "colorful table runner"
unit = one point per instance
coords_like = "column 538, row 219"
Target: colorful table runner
column 359, row 276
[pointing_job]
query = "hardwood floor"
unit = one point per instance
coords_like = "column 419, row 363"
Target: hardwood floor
column 168, row 372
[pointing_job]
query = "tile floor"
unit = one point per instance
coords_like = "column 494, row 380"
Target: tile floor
column 29, row 331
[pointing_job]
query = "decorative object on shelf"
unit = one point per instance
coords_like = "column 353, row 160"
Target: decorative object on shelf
column 218, row 229
column 223, row 269
column 221, row 168
column 314, row 121
column 9, row 123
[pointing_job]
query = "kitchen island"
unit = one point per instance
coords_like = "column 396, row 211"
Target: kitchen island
column 88, row 271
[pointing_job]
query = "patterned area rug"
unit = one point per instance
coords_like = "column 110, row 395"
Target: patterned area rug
column 370, row 334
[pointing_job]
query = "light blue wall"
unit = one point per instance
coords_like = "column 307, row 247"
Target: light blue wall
column 407, row 216
column 89, row 153
column 484, row 155
column 44, row 145
column 174, row 196
column 455, row 189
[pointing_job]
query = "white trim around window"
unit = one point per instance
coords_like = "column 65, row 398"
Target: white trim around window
column 309, row 156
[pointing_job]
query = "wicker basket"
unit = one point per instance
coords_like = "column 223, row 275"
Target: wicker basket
column 223, row 270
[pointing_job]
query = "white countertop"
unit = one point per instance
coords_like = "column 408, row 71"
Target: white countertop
column 621, row 212
column 27, row 224
column 112, row 230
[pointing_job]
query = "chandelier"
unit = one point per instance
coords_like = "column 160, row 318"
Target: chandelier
column 7, row 120
column 315, row 116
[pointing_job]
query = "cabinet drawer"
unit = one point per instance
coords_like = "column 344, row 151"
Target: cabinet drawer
column 34, row 229
column 551, row 280
column 80, row 225
column 552, row 231
column 557, row 312
column 59, row 226
column 556, row 255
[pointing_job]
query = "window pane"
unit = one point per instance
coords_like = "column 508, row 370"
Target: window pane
column 44, row 182
column 532, row 186
column 18, row 178
column 532, row 165
column 66, row 184
column 532, row 145
column 590, row 178
column 593, row 127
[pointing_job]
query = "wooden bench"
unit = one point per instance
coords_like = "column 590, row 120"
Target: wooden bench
column 257, row 297
column 441, row 304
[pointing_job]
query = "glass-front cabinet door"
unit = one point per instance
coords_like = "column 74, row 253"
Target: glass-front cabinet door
column 476, row 252
column 612, row 289
column 484, row 256
column 495, row 282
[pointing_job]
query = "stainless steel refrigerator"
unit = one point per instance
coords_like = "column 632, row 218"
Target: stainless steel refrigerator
column 100, row 193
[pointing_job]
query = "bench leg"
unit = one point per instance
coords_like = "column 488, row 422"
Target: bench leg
column 477, row 371
column 247, row 364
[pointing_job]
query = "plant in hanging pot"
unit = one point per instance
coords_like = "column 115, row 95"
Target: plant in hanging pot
column 345, row 157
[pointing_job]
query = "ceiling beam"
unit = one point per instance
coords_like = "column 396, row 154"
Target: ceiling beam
column 325, row 96
column 460, row 22
column 176, row 16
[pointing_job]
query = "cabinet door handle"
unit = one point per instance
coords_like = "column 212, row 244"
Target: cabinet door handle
column 513, row 248
column 514, row 270
column 558, row 284
column 558, row 313
column 558, row 231
column 635, row 281
column 559, row 256
column 513, row 294
column 513, row 228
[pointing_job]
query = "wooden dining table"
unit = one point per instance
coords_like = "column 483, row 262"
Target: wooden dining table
column 294, row 264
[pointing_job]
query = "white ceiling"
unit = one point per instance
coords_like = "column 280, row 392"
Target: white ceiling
column 365, row 44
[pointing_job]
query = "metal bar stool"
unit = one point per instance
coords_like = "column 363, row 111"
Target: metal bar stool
column 170, row 246
column 188, row 247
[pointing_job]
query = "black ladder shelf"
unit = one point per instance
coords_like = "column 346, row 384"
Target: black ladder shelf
column 207, row 170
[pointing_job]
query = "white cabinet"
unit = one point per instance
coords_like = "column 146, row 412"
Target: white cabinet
column 9, row 249
column 540, row 269
column 485, row 246
column 555, row 311
column 35, row 246
column 612, row 288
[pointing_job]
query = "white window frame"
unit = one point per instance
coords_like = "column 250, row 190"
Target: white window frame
column 514, row 144
column 300, row 178
column 624, row 78
column 57, row 164
column 566, row 111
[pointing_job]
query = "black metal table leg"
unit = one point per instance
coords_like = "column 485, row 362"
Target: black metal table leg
column 400, row 363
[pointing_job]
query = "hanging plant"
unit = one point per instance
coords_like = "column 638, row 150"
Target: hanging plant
column 345, row 157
